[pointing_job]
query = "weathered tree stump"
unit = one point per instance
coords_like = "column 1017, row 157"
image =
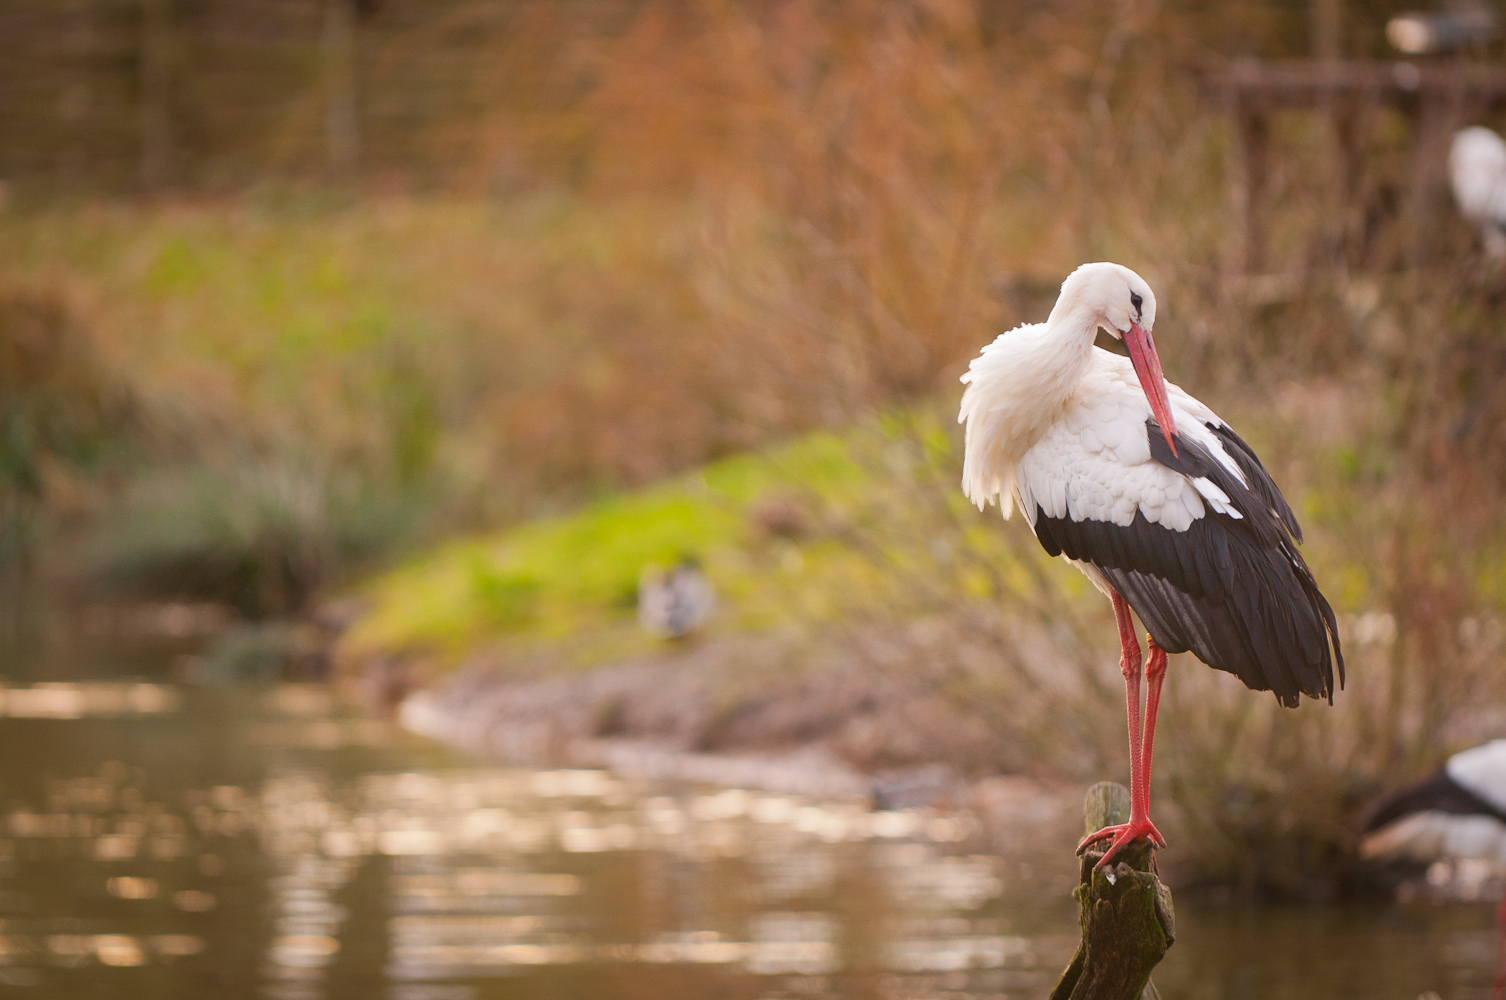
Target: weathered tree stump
column 1125, row 913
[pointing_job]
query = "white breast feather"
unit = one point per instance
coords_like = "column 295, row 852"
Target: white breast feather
column 1094, row 463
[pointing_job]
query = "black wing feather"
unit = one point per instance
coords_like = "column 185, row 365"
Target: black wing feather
column 1436, row 793
column 1234, row 591
column 1260, row 480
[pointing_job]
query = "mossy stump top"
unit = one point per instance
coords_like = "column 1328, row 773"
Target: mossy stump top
column 1125, row 913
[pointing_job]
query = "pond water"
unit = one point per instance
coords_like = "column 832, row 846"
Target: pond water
column 172, row 842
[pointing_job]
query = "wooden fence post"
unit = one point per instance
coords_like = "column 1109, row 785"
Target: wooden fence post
column 342, row 122
column 156, row 93
column 1437, row 116
column 1245, row 176
column 1125, row 913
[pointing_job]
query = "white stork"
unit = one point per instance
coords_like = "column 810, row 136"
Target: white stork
column 1158, row 501
column 1457, row 814
column 1477, row 173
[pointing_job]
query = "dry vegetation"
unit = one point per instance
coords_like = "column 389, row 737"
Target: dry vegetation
column 585, row 252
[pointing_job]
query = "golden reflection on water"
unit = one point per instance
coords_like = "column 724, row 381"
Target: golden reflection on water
column 58, row 700
column 293, row 851
column 481, row 872
column 467, row 849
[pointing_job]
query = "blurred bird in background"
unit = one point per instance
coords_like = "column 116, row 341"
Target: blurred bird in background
column 1477, row 172
column 674, row 604
column 1458, row 815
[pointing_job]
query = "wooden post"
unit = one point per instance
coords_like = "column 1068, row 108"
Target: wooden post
column 156, row 93
column 1125, row 913
column 1437, row 112
column 1247, row 186
column 1327, row 28
column 1351, row 123
column 1332, row 104
column 342, row 130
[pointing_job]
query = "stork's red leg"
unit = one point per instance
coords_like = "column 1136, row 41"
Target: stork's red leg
column 1129, row 666
column 1155, row 673
column 1139, row 826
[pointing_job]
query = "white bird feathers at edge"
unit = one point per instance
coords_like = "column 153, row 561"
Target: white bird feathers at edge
column 1477, row 174
column 1431, row 834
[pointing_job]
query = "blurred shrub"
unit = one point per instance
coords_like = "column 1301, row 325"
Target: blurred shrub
column 260, row 533
column 62, row 408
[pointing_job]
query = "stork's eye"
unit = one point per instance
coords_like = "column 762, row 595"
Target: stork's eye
column 1135, row 301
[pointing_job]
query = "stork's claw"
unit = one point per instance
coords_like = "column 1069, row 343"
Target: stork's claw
column 1124, row 834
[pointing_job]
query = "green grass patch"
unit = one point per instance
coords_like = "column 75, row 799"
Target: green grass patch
column 573, row 579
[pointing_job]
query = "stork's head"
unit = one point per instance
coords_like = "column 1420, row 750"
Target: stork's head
column 1118, row 300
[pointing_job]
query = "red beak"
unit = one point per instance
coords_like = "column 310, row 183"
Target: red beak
column 1142, row 352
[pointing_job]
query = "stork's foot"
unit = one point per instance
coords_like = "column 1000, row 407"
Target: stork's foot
column 1123, row 835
